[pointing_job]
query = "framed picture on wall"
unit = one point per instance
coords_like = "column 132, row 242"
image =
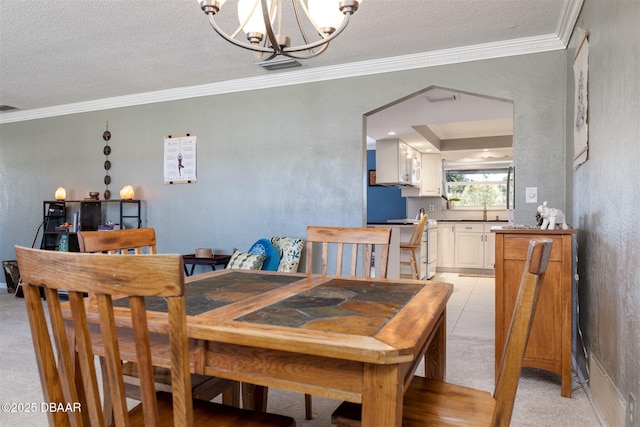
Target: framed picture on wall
column 581, row 103
column 372, row 177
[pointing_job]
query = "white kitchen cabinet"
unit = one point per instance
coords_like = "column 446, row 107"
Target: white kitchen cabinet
column 474, row 245
column 416, row 166
column 431, row 184
column 489, row 247
column 446, row 245
column 397, row 163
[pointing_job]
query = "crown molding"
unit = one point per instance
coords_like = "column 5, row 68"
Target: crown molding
column 568, row 20
column 522, row 46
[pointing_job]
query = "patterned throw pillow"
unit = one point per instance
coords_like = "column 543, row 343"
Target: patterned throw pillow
column 290, row 249
column 244, row 261
column 271, row 253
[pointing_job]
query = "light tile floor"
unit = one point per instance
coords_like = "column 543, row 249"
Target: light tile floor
column 471, row 309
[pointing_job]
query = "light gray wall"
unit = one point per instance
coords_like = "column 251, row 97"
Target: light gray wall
column 605, row 192
column 270, row 162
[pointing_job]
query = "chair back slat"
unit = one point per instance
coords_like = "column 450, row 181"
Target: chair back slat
column 145, row 367
column 521, row 321
column 418, row 231
column 360, row 243
column 54, row 379
column 59, row 355
column 135, row 240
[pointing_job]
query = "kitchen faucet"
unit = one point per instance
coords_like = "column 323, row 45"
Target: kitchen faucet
column 484, row 213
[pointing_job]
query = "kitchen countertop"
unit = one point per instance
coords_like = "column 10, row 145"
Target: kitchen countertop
column 403, row 221
column 472, row 220
column 391, row 224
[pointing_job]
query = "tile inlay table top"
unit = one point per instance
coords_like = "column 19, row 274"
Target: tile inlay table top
column 352, row 339
column 205, row 293
column 339, row 305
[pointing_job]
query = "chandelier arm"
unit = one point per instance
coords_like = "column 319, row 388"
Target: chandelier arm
column 298, row 19
column 309, row 17
column 275, row 46
column 246, row 19
column 238, row 43
column 326, row 40
column 312, row 54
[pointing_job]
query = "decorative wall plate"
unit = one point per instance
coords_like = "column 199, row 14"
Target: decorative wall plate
column 106, row 135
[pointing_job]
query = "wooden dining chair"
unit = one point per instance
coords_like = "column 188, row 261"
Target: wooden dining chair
column 132, row 240
column 65, row 347
column 143, row 241
column 436, row 403
column 413, row 248
column 359, row 243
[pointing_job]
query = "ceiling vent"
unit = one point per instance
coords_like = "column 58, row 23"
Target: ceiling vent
column 454, row 97
column 280, row 64
column 4, row 107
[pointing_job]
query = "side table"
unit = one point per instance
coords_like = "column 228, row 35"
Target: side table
column 193, row 260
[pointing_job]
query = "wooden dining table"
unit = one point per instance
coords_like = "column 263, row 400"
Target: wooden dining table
column 353, row 339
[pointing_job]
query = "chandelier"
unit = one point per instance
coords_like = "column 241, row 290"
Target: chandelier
column 325, row 18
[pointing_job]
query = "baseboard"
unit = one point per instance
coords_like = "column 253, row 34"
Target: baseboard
column 583, row 380
column 607, row 399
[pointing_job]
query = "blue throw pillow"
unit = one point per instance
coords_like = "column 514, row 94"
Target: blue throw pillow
column 272, row 254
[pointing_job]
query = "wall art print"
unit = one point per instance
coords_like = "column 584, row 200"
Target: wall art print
column 180, row 159
column 581, row 102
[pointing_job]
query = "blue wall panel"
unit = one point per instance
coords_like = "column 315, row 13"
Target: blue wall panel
column 383, row 203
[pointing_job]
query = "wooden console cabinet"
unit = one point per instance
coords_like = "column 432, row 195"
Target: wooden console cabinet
column 549, row 345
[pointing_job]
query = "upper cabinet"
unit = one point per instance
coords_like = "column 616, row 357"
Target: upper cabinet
column 431, row 182
column 431, row 185
column 397, row 163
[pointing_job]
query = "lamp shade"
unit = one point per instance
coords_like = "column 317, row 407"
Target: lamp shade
column 326, row 13
column 127, row 192
column 61, row 193
column 253, row 8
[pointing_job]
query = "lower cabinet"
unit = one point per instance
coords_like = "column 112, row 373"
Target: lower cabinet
column 489, row 248
column 446, row 245
column 474, row 246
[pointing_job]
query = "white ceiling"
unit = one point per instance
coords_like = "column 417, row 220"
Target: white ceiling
column 447, row 115
column 66, row 56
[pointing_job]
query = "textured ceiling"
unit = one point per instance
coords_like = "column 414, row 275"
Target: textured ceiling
column 65, row 52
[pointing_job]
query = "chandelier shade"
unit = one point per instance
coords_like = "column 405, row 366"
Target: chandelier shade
column 261, row 24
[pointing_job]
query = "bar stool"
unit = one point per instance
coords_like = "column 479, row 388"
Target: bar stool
column 413, row 247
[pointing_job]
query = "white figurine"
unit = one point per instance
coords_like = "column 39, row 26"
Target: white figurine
column 551, row 216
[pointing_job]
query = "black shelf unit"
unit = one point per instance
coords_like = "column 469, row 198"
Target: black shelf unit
column 129, row 211
column 56, row 212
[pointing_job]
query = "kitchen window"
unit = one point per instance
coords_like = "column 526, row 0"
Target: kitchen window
column 477, row 188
